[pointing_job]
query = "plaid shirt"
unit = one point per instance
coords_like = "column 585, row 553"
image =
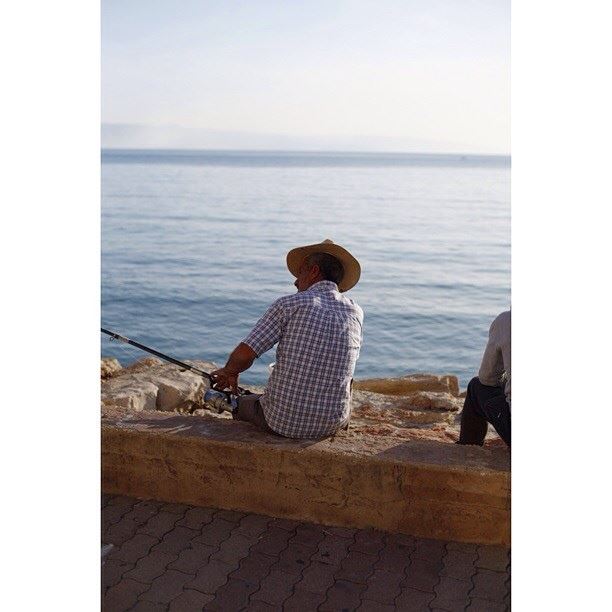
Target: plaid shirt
column 319, row 334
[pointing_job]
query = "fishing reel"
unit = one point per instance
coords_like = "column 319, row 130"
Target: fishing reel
column 220, row 401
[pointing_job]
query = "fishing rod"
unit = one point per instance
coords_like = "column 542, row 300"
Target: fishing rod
column 182, row 364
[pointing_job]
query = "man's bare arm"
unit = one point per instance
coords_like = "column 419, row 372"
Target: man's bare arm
column 241, row 359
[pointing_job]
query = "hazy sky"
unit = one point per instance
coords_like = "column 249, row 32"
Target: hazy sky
column 431, row 75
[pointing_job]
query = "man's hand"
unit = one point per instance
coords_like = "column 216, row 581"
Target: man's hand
column 241, row 359
column 225, row 378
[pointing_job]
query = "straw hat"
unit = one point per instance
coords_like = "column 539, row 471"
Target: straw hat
column 352, row 269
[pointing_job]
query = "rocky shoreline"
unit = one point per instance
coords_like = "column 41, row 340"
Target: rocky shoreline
column 411, row 407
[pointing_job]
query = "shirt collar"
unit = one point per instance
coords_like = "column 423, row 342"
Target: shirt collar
column 323, row 285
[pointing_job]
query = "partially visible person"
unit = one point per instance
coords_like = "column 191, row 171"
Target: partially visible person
column 319, row 335
column 488, row 394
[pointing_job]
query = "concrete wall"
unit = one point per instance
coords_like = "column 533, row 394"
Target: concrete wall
column 426, row 489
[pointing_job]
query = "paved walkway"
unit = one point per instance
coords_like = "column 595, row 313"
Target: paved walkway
column 178, row 558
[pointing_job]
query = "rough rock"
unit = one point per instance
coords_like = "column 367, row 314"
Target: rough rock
column 431, row 400
column 150, row 384
column 410, row 384
column 109, row 366
column 413, row 407
column 143, row 364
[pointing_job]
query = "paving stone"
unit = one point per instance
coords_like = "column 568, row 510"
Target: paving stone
column 422, row 575
column 175, row 508
column 489, row 585
column 400, row 539
column 484, row 605
column 126, row 528
column 166, row 587
column 214, row 532
column 413, row 600
column 233, row 516
column 462, row 547
column 295, row 558
column 394, row 558
column 122, row 596
column 112, row 571
column 184, row 558
column 235, row 548
column 144, row 510
column 273, row 541
column 210, row 577
column 286, row 524
column 369, row 541
column 332, row 550
column 254, row 568
column 233, row 595
column 190, row 601
column 317, row 577
column 253, row 525
column 159, row 525
column 120, row 532
column 383, row 586
column 196, row 518
column 191, row 559
column 112, row 515
column 275, row 588
column 133, row 549
column 493, row 558
column 451, row 594
column 303, row 601
column 356, row 567
column 176, row 540
column 308, row 534
column 343, row 595
column 368, row 605
column 429, row 550
column 150, row 567
column 459, row 565
column 341, row 532
column 148, row 606
column 262, row 606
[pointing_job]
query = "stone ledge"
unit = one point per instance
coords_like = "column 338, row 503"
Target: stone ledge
column 422, row 488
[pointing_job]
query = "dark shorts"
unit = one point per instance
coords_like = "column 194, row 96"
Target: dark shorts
column 484, row 405
column 249, row 409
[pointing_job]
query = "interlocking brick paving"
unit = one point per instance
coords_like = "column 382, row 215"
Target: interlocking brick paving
column 179, row 558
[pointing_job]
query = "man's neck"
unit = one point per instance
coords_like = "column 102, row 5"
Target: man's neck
column 322, row 280
column 314, row 282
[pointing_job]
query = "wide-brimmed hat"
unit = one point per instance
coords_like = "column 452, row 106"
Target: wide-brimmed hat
column 352, row 269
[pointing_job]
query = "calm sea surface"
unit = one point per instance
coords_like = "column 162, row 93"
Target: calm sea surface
column 194, row 245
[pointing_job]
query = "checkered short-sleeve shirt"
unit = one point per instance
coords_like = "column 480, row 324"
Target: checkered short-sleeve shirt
column 319, row 335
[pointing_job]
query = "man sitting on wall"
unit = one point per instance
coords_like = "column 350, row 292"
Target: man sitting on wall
column 488, row 394
column 319, row 335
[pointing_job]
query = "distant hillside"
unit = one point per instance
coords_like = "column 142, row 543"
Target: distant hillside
column 134, row 136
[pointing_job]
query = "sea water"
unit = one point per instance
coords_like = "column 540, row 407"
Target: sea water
column 194, row 246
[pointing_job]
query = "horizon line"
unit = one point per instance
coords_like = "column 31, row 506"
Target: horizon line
column 315, row 151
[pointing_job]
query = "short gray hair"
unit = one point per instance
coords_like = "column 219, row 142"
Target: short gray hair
column 330, row 267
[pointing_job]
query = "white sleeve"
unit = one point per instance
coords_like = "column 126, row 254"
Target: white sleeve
column 492, row 365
